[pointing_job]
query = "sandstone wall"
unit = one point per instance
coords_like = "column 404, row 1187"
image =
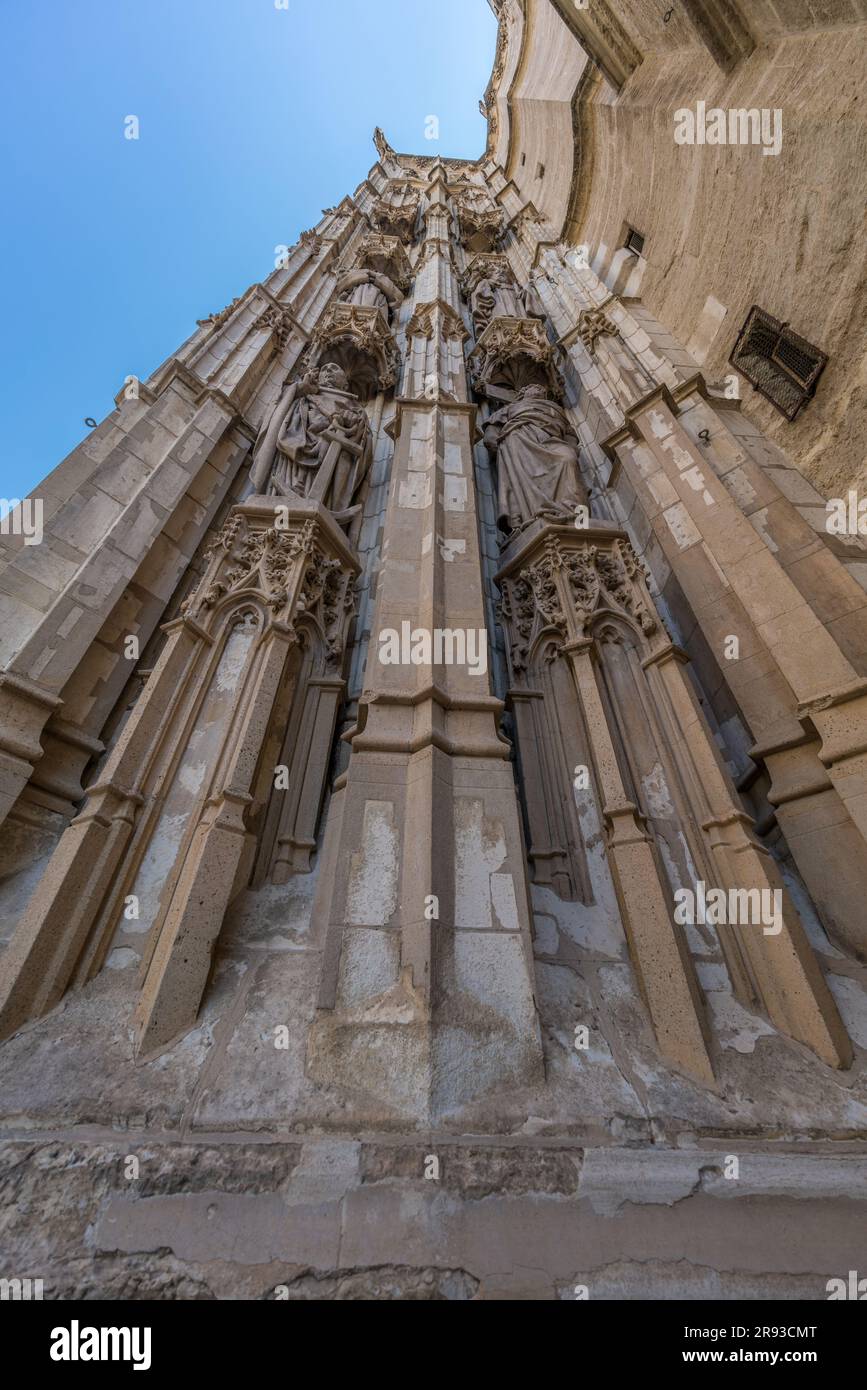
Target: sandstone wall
column 725, row 227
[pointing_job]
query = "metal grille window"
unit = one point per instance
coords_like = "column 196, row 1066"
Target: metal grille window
column 634, row 241
column 782, row 367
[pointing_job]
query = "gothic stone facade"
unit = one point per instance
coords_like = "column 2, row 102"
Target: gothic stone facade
column 476, row 628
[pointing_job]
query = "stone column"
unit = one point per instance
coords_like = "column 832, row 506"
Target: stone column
column 39, row 960
column 183, row 940
column 787, row 979
column 665, row 972
column 427, row 998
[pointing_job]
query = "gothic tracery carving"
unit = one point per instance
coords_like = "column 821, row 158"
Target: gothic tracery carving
column 278, row 321
column 242, row 559
column 566, row 585
column 513, row 353
column 450, row 324
column 328, row 597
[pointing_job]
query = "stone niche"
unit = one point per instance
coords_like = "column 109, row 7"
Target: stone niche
column 491, row 290
column 357, row 338
column 594, row 675
column 513, row 353
column 397, row 212
column 386, row 255
column 480, row 222
column 185, row 811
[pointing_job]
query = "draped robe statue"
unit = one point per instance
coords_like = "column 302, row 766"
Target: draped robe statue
column 316, row 443
column 496, row 296
column 369, row 288
column 537, row 461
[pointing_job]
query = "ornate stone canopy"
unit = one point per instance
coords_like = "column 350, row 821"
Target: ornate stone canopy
column 386, row 255
column 480, row 222
column 512, row 353
column 562, row 582
column 396, row 214
column 357, row 338
column 428, row 318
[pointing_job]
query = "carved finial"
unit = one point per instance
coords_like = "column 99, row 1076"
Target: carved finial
column 383, row 148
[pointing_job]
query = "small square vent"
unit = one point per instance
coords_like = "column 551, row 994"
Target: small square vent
column 634, row 241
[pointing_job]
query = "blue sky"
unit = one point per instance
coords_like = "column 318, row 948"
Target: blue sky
column 252, row 119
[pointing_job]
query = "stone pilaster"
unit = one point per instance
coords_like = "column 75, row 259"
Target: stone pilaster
column 807, row 683
column 162, row 450
column 427, row 998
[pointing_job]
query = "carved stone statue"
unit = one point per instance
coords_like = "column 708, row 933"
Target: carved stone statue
column 533, row 306
column 497, row 296
column 370, row 289
column 537, row 461
column 316, row 443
